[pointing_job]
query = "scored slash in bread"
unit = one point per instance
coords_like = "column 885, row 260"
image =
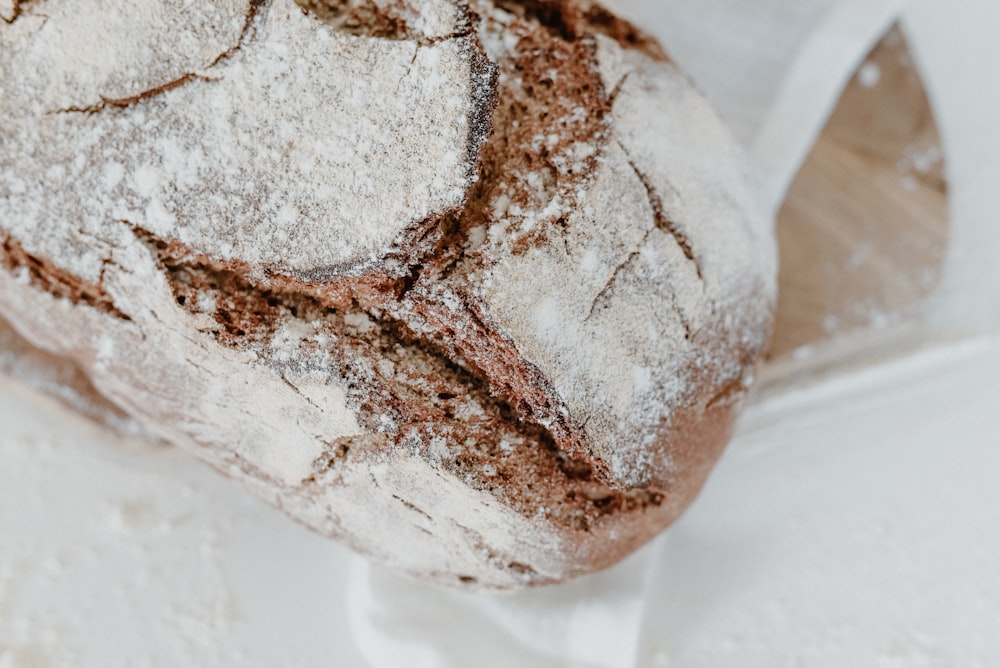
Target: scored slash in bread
column 476, row 286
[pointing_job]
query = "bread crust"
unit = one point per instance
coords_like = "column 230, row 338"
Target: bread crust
column 476, row 287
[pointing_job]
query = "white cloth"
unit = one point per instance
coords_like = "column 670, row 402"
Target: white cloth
column 956, row 47
column 592, row 622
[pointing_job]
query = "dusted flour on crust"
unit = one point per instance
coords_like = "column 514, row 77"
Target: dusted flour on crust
column 476, row 287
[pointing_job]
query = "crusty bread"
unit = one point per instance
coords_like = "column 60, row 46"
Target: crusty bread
column 476, row 286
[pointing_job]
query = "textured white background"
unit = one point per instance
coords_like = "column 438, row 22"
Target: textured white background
column 856, row 523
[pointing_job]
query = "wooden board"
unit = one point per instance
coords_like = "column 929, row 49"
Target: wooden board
column 863, row 231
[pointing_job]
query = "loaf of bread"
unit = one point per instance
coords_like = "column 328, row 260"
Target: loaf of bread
column 475, row 286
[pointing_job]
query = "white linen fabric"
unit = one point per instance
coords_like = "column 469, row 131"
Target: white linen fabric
column 592, row 622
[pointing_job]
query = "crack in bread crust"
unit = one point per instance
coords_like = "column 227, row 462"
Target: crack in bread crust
column 661, row 219
column 46, row 276
column 407, row 391
column 17, row 8
column 362, row 17
column 385, row 19
column 256, row 10
column 572, row 19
